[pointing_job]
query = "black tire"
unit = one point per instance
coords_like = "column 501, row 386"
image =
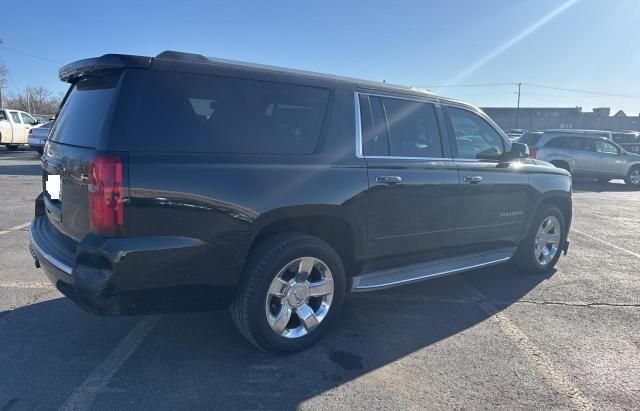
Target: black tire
column 627, row 179
column 12, row 147
column 263, row 264
column 525, row 257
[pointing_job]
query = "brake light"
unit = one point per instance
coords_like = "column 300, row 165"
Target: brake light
column 106, row 215
column 533, row 152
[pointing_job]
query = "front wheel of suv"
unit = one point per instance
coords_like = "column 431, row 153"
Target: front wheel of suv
column 633, row 176
column 539, row 252
column 292, row 291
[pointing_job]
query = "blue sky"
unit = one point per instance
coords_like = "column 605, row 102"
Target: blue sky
column 574, row 44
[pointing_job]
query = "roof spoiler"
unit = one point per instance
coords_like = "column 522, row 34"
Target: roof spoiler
column 80, row 68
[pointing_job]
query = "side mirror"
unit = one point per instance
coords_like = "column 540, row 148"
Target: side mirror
column 519, row 150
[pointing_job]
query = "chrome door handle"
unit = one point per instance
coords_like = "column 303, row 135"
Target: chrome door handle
column 388, row 179
column 472, row 179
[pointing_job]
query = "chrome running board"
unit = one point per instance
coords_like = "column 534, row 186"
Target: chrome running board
column 392, row 277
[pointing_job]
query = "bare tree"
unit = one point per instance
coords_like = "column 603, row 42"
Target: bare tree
column 35, row 100
column 4, row 80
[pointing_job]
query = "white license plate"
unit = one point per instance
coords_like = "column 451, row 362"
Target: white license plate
column 53, row 186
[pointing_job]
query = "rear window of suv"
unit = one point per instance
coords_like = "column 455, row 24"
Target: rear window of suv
column 83, row 115
column 530, row 139
column 183, row 112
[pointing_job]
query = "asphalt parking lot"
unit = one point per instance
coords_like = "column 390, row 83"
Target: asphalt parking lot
column 492, row 338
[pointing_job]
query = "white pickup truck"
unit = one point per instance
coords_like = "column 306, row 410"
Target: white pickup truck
column 14, row 127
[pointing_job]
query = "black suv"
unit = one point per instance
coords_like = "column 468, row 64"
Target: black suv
column 180, row 182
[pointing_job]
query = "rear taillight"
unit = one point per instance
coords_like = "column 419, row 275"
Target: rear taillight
column 106, row 215
column 533, row 152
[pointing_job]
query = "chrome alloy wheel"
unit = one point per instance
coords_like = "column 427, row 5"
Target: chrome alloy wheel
column 634, row 177
column 299, row 297
column 547, row 240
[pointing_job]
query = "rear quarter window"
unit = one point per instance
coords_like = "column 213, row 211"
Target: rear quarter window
column 84, row 113
column 183, row 112
column 530, row 139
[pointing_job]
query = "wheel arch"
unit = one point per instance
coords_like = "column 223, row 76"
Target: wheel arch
column 563, row 204
column 560, row 199
column 332, row 227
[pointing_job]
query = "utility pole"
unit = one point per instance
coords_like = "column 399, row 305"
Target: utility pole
column 518, row 108
column 1, row 102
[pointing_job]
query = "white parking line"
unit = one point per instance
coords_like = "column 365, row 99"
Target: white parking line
column 16, row 228
column 25, row 284
column 545, row 366
column 97, row 381
column 617, row 247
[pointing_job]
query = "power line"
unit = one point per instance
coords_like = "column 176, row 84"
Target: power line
column 570, row 90
column 562, row 96
column 472, row 85
column 30, row 55
column 599, row 93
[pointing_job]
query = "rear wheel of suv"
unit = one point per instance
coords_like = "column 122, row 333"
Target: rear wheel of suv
column 633, row 176
column 292, row 291
column 12, row 147
column 539, row 252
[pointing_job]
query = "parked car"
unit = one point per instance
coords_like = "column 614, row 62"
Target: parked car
column 275, row 192
column 38, row 136
column 14, row 127
column 537, row 139
column 43, row 118
column 531, row 138
column 589, row 155
column 630, row 141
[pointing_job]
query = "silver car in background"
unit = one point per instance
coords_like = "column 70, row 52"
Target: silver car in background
column 38, row 136
column 588, row 155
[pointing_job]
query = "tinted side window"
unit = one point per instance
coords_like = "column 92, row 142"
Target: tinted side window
column 413, row 128
column 579, row 143
column 375, row 138
column 474, row 137
column 16, row 117
column 200, row 113
column 3, row 115
column 557, row 142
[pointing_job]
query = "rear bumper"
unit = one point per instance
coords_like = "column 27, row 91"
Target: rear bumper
column 36, row 142
column 135, row 275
